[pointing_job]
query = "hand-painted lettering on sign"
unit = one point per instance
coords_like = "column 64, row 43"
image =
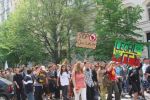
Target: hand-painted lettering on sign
column 127, row 52
column 86, row 40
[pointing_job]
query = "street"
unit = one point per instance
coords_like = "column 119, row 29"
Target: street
column 127, row 97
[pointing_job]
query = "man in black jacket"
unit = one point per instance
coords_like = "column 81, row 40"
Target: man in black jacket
column 18, row 81
column 134, row 80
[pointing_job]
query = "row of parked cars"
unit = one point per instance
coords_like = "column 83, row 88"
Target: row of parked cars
column 6, row 89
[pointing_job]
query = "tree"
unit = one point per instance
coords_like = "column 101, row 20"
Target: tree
column 53, row 22
column 50, row 25
column 114, row 21
column 17, row 45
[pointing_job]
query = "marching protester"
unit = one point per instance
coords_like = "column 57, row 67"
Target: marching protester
column 86, row 80
column 69, row 68
column 119, row 74
column 113, row 86
column 100, row 73
column 11, row 74
column 78, row 79
column 89, row 81
column 41, row 79
column 134, row 79
column 64, row 78
column 28, row 82
column 52, row 78
column 18, row 81
column 94, row 69
column 145, row 70
column 58, row 88
column 148, row 77
column 125, row 80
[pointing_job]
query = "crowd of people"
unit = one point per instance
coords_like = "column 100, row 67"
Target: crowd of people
column 81, row 81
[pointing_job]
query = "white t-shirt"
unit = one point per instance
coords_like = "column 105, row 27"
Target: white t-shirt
column 64, row 78
column 144, row 67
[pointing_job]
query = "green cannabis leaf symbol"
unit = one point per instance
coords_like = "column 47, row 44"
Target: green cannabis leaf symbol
column 117, row 55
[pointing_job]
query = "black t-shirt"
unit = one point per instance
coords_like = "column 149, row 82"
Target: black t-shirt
column 148, row 71
column 18, row 78
column 94, row 77
column 51, row 74
column 135, row 76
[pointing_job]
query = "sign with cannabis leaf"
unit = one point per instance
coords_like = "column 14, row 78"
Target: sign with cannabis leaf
column 127, row 52
column 117, row 55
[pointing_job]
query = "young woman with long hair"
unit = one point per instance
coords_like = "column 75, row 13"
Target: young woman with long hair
column 64, row 77
column 78, row 79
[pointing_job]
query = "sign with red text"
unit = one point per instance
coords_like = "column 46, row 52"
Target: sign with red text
column 127, row 52
column 86, row 40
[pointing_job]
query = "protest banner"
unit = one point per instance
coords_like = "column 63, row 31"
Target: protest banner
column 86, row 40
column 127, row 52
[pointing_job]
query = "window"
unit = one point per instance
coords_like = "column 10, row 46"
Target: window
column 148, row 9
column 148, row 36
column 148, row 40
column 129, row 7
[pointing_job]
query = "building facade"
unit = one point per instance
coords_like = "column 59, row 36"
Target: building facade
column 144, row 23
column 6, row 6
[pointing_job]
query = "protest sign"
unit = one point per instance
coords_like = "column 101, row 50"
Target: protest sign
column 127, row 52
column 86, row 40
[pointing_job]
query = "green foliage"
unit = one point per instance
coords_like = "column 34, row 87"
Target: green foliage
column 114, row 21
column 40, row 29
column 54, row 22
column 17, row 45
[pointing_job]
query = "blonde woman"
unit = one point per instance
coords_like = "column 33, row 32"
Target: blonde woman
column 78, row 79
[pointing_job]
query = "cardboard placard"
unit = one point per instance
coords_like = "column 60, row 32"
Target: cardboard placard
column 127, row 52
column 86, row 40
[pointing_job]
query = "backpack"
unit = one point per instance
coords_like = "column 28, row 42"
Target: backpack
column 106, row 81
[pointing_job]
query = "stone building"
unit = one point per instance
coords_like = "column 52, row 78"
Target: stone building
column 144, row 23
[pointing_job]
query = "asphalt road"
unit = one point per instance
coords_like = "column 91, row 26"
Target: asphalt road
column 127, row 97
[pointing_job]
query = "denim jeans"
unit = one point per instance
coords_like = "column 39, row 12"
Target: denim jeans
column 89, row 93
column 65, row 92
column 20, row 94
column 30, row 96
column 38, row 93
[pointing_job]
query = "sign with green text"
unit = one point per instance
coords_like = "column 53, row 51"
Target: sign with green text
column 127, row 52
